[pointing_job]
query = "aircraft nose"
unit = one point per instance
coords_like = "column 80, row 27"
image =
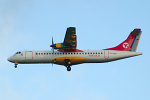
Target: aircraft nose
column 9, row 59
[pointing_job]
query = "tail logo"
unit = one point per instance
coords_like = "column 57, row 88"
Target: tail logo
column 125, row 45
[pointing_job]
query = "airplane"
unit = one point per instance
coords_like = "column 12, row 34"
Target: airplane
column 67, row 54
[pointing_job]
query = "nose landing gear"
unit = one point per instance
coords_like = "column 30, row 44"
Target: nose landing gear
column 16, row 64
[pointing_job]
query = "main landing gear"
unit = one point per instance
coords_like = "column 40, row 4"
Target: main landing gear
column 68, row 64
column 68, row 68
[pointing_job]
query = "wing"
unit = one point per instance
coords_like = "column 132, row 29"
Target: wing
column 70, row 38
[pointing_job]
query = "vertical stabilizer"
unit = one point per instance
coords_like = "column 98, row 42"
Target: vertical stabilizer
column 131, row 43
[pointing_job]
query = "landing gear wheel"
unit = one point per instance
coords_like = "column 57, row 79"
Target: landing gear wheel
column 15, row 65
column 69, row 68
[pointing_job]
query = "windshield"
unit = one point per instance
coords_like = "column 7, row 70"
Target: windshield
column 18, row 52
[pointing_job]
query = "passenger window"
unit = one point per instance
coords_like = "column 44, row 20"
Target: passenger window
column 63, row 53
column 49, row 53
column 101, row 52
column 68, row 53
column 44, row 53
column 36, row 53
column 98, row 52
column 58, row 53
column 88, row 53
column 55, row 53
column 93, row 52
column 52, row 53
column 71, row 53
column 77, row 53
column 82, row 53
column 85, row 53
column 41, row 53
column 74, row 53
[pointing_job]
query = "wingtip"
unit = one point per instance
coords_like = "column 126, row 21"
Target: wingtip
column 71, row 27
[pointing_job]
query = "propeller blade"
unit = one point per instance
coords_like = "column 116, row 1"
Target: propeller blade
column 52, row 45
column 52, row 41
column 53, row 50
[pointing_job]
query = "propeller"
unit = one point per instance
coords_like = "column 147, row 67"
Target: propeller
column 52, row 45
column 52, row 49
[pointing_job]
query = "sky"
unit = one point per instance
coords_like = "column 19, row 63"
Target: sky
column 100, row 24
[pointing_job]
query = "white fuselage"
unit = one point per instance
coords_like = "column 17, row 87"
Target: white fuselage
column 91, row 56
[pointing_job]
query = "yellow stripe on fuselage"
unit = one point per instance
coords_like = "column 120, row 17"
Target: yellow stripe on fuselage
column 74, row 60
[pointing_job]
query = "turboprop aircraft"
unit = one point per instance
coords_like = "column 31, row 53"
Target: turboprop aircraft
column 67, row 53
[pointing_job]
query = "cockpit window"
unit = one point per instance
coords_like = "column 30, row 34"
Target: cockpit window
column 18, row 52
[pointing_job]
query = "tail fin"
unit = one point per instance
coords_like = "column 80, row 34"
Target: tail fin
column 131, row 43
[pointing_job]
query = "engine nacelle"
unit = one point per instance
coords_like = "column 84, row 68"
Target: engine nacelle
column 59, row 46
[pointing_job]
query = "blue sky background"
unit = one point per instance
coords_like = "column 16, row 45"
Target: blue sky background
column 30, row 25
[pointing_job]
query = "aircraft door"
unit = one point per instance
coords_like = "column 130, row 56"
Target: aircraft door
column 106, row 54
column 28, row 55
